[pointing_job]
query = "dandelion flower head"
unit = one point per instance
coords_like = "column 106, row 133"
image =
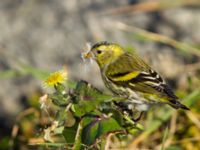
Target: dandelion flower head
column 56, row 78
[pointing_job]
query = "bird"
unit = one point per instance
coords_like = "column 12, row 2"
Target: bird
column 128, row 76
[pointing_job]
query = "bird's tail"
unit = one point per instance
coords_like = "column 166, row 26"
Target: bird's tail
column 176, row 104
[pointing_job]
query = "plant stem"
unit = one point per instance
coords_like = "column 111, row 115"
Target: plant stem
column 77, row 144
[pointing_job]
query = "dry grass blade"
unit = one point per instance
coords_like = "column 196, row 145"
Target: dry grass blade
column 192, row 67
column 193, row 118
column 151, row 6
column 35, row 141
column 192, row 139
column 158, row 38
column 172, row 130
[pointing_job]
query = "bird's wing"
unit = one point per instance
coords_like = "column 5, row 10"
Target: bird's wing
column 132, row 72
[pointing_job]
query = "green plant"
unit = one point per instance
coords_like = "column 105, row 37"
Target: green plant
column 84, row 116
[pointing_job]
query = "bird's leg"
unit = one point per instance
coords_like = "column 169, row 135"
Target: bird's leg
column 129, row 112
column 139, row 117
column 136, row 114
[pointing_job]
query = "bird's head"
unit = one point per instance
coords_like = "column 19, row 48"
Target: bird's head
column 104, row 53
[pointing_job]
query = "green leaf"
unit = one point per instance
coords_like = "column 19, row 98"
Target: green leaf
column 86, row 92
column 97, row 128
column 71, row 84
column 86, row 99
column 115, row 114
column 69, row 133
column 84, row 107
column 60, row 88
column 59, row 99
column 108, row 125
column 65, row 117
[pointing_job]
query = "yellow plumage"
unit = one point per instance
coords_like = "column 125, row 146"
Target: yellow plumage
column 128, row 76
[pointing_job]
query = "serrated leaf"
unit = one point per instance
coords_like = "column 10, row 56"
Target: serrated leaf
column 59, row 99
column 87, row 92
column 84, row 107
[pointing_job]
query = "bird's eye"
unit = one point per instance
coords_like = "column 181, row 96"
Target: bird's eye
column 99, row 51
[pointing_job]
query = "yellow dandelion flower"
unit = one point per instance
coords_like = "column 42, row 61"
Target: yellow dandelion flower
column 56, row 78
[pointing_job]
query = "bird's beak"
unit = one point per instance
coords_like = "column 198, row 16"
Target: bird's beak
column 87, row 55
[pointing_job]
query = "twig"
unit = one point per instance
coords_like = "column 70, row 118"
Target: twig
column 77, row 144
column 108, row 141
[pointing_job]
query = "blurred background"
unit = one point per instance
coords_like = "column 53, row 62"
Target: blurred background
column 43, row 36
